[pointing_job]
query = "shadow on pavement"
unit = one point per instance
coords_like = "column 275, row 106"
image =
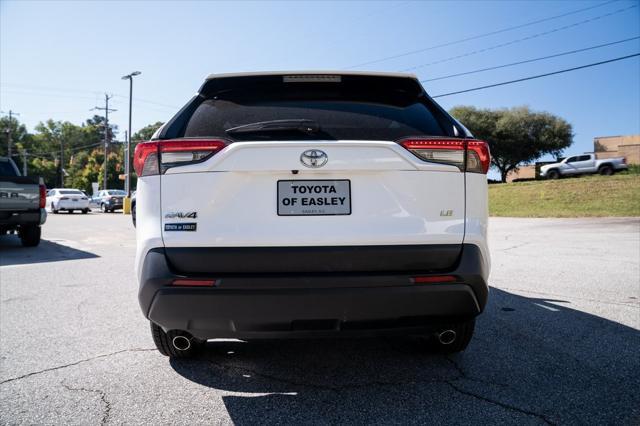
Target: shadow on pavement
column 531, row 361
column 13, row 253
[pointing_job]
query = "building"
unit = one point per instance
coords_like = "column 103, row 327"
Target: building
column 523, row 172
column 527, row 172
column 618, row 146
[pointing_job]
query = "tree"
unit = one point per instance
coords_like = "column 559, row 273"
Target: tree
column 146, row 132
column 95, row 126
column 20, row 138
column 516, row 135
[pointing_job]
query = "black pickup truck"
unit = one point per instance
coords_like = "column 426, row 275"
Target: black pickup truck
column 22, row 201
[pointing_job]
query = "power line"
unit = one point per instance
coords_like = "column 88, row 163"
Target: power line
column 16, row 88
column 530, row 60
column 520, row 40
column 74, row 149
column 536, row 76
column 475, row 37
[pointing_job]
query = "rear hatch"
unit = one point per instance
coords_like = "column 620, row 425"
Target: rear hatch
column 298, row 173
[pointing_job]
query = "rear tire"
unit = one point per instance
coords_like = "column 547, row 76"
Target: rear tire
column 30, row 235
column 606, row 170
column 85, row 211
column 53, row 209
column 463, row 334
column 164, row 342
column 70, row 211
column 553, row 174
column 103, row 208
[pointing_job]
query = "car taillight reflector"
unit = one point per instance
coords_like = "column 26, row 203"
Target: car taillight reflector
column 433, row 279
column 43, row 196
column 194, row 283
column 452, row 151
column 156, row 157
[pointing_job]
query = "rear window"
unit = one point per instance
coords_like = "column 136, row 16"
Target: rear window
column 117, row 192
column 70, row 192
column 351, row 120
column 6, row 169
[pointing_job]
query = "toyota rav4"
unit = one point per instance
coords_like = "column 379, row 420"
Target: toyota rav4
column 277, row 205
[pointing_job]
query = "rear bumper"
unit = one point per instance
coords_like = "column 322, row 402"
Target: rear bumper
column 311, row 304
column 32, row 217
column 72, row 205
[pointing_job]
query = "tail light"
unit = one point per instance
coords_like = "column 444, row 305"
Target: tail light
column 43, row 196
column 452, row 151
column 156, row 157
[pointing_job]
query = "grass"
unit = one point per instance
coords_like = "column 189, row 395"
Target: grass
column 586, row 196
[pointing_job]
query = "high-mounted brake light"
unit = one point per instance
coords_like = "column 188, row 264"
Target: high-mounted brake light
column 156, row 157
column 452, row 151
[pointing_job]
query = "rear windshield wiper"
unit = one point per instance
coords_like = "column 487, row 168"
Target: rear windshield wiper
column 300, row 125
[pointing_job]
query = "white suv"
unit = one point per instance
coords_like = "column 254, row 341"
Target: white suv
column 311, row 204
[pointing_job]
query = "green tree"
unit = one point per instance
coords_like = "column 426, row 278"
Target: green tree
column 45, row 168
column 516, row 135
column 146, row 132
column 115, row 167
column 20, row 138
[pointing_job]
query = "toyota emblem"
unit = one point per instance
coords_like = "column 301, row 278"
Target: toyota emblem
column 313, row 158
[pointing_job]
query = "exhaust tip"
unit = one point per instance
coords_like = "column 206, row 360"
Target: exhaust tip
column 447, row 337
column 181, row 343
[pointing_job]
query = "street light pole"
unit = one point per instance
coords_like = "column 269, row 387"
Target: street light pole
column 127, row 162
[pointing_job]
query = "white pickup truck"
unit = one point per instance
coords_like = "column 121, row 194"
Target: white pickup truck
column 582, row 165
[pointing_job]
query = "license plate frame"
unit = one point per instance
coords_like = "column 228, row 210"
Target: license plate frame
column 344, row 207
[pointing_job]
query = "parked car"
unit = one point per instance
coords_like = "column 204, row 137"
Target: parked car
column 68, row 199
column 22, row 201
column 94, row 202
column 109, row 200
column 289, row 205
column 582, row 165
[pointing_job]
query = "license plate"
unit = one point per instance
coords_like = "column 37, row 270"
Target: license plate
column 314, row 197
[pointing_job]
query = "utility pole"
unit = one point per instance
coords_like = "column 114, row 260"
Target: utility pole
column 11, row 113
column 106, row 135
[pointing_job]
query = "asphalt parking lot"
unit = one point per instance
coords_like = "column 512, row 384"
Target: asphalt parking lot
column 559, row 342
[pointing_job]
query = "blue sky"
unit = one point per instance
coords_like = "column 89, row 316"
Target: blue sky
column 58, row 58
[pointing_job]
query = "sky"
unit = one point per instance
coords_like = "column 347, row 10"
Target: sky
column 58, row 59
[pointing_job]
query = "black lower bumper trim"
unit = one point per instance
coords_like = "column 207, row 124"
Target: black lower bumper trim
column 292, row 305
